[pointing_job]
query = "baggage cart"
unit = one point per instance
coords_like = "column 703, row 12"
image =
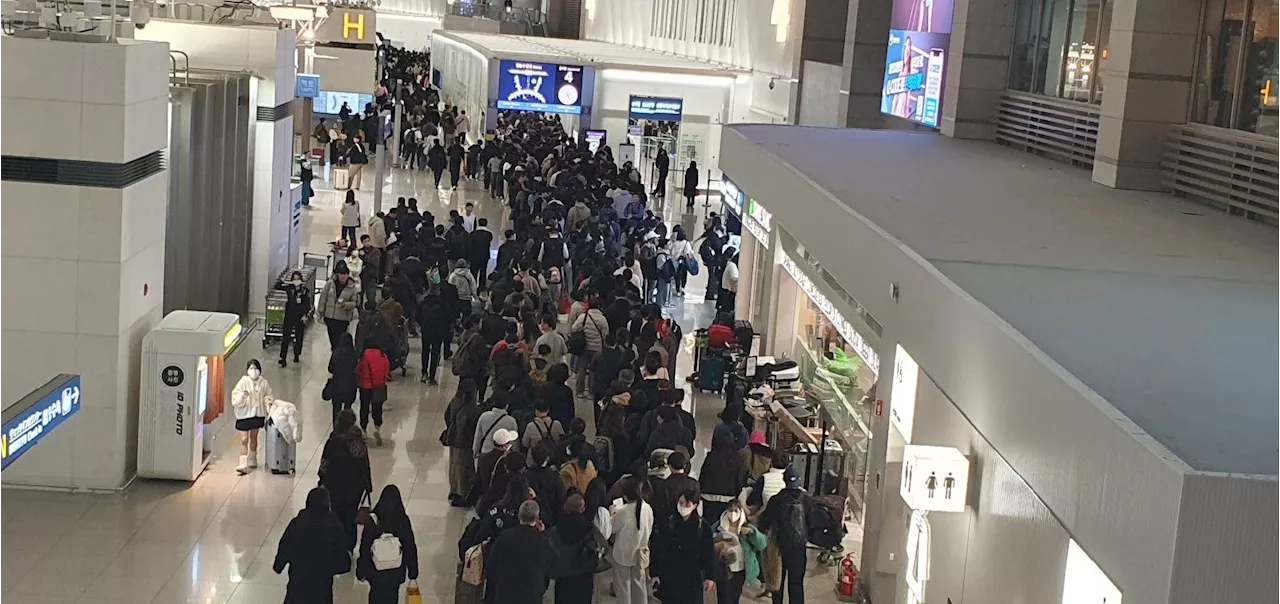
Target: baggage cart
column 273, row 328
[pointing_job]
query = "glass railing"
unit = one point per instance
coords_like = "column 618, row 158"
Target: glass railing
column 842, row 401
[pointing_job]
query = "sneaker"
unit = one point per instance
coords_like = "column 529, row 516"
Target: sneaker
column 432, row 382
column 423, row 379
column 283, row 363
column 377, row 436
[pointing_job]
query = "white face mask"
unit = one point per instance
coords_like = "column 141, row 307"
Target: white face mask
column 254, row 373
column 735, row 517
column 686, row 510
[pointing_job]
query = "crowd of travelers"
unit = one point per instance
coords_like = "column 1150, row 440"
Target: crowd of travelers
column 570, row 309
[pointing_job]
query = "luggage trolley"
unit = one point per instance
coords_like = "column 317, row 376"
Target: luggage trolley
column 273, row 327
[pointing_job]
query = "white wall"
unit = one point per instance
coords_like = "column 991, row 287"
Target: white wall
column 820, row 95
column 413, row 31
column 350, row 70
column 466, row 78
column 1110, row 491
column 752, row 45
column 90, row 260
column 427, row 8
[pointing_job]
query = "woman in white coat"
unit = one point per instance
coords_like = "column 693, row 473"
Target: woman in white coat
column 350, row 219
column 251, row 399
column 632, row 526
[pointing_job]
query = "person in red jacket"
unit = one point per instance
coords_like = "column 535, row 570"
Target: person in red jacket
column 373, row 369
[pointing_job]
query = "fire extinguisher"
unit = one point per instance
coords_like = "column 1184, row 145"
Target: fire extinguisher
column 846, row 578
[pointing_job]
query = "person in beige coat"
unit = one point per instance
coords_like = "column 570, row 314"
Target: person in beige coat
column 338, row 302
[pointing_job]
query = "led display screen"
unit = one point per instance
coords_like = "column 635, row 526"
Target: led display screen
column 919, row 40
column 330, row 102
column 656, row 108
column 541, row 87
column 30, row 420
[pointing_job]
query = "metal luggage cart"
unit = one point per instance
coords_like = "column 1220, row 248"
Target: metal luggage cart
column 319, row 263
column 273, row 328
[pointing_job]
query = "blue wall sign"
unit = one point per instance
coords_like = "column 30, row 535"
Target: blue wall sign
column 308, row 86
column 38, row 414
column 541, row 87
column 656, row 108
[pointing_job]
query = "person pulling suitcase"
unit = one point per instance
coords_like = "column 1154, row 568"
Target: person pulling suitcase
column 296, row 308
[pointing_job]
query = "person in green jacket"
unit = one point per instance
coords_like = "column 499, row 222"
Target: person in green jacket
column 738, row 545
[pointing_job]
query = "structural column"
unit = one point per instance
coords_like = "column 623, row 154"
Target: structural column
column 977, row 69
column 1146, row 88
column 866, row 42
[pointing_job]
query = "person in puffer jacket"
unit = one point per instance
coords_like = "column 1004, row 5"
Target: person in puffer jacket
column 779, row 477
column 251, row 399
column 373, row 369
column 468, row 288
column 287, row 421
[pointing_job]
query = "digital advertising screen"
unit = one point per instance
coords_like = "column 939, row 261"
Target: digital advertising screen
column 330, row 101
column 919, row 39
column 541, row 87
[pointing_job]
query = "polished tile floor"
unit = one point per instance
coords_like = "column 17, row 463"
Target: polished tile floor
column 214, row 541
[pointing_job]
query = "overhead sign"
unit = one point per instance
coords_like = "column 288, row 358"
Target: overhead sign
column 752, row 220
column 906, row 382
column 934, row 479
column 308, row 86
column 541, row 87
column 656, row 108
column 731, row 195
column 859, row 344
column 38, row 414
column 350, row 25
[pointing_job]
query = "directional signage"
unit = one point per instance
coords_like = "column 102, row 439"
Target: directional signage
column 36, row 415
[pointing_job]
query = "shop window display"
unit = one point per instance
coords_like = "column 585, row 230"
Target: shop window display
column 1235, row 79
column 1060, row 48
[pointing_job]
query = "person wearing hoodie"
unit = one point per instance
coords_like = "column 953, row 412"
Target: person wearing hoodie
column 388, row 516
column 578, row 472
column 683, row 554
column 578, row 543
column 731, row 424
column 632, row 529
column 479, row 243
column 738, row 545
column 313, row 547
column 578, row 214
column 373, row 369
column 545, row 482
column 757, row 457
column 344, row 471
column 723, row 475
column 460, row 419
column 670, row 432
column 251, row 400
column 468, row 287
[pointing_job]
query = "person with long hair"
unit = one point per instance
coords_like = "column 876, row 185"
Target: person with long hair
column 723, row 475
column 632, row 526
column 344, row 471
column 343, row 377
column 313, row 547
column 739, row 546
column 578, row 472
column 683, row 554
column 460, row 419
column 251, row 400
column 388, row 517
column 350, row 217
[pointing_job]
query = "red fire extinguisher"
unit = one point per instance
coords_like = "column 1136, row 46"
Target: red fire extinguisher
column 848, row 574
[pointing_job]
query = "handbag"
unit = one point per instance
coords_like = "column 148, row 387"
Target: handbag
column 412, row 594
column 691, row 265
column 327, row 393
column 364, row 514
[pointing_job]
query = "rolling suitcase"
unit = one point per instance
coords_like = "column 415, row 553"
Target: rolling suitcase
column 711, row 373
column 282, row 455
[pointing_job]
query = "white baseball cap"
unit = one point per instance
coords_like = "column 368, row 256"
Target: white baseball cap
column 503, row 436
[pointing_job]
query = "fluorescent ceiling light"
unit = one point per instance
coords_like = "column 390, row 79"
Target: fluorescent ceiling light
column 291, row 13
column 666, row 77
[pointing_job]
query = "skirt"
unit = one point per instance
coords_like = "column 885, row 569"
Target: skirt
column 250, row 424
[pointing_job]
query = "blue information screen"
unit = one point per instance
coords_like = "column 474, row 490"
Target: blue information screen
column 24, row 428
column 656, row 108
column 308, row 86
column 541, row 87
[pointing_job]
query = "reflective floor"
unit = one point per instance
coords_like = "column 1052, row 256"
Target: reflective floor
column 214, row 541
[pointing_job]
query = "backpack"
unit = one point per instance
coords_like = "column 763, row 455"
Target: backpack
column 553, row 275
column 666, row 268
column 604, row 454
column 387, row 552
column 648, row 251
column 538, row 374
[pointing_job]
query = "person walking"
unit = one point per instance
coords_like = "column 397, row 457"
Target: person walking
column 684, row 555
column 373, row 369
column 387, row 535
column 663, row 163
column 313, row 548
column 632, row 526
column 690, row 185
column 344, row 379
column 738, row 545
column 251, row 399
column 521, row 560
column 344, row 471
column 338, row 303
column 594, row 327
column 579, row 545
column 350, row 219
column 437, row 159
column 358, row 158
column 297, row 306
column 479, row 244
column 460, row 419
column 456, row 154
column 436, row 316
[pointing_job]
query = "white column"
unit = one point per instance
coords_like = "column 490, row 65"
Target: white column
column 85, row 264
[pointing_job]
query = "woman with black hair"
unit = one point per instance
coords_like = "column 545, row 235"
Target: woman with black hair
column 343, row 378
column 684, row 555
column 313, row 547
column 632, row 527
column 251, row 400
column 578, row 472
column 388, row 518
column 344, row 471
column 558, row 395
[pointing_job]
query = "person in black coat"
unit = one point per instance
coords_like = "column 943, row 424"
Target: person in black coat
column 343, row 381
column 314, row 548
column 296, row 307
column 436, row 317
column 558, row 394
column 388, row 517
column 670, row 433
column 456, row 153
column 663, row 162
column 545, row 481
column 344, row 471
column 508, row 252
column 690, row 184
column 723, row 475
column 437, row 159
column 479, row 242
column 683, row 557
column 521, row 560
column 577, row 541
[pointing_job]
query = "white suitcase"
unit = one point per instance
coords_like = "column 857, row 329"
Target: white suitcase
column 282, row 456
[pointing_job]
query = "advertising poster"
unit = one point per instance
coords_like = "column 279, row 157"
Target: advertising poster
column 330, row 101
column 915, row 64
column 541, row 87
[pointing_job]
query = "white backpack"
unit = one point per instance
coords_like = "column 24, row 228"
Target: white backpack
column 386, row 552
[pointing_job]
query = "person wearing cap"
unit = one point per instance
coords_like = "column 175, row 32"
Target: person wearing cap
column 338, row 302
column 487, row 464
column 489, row 424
